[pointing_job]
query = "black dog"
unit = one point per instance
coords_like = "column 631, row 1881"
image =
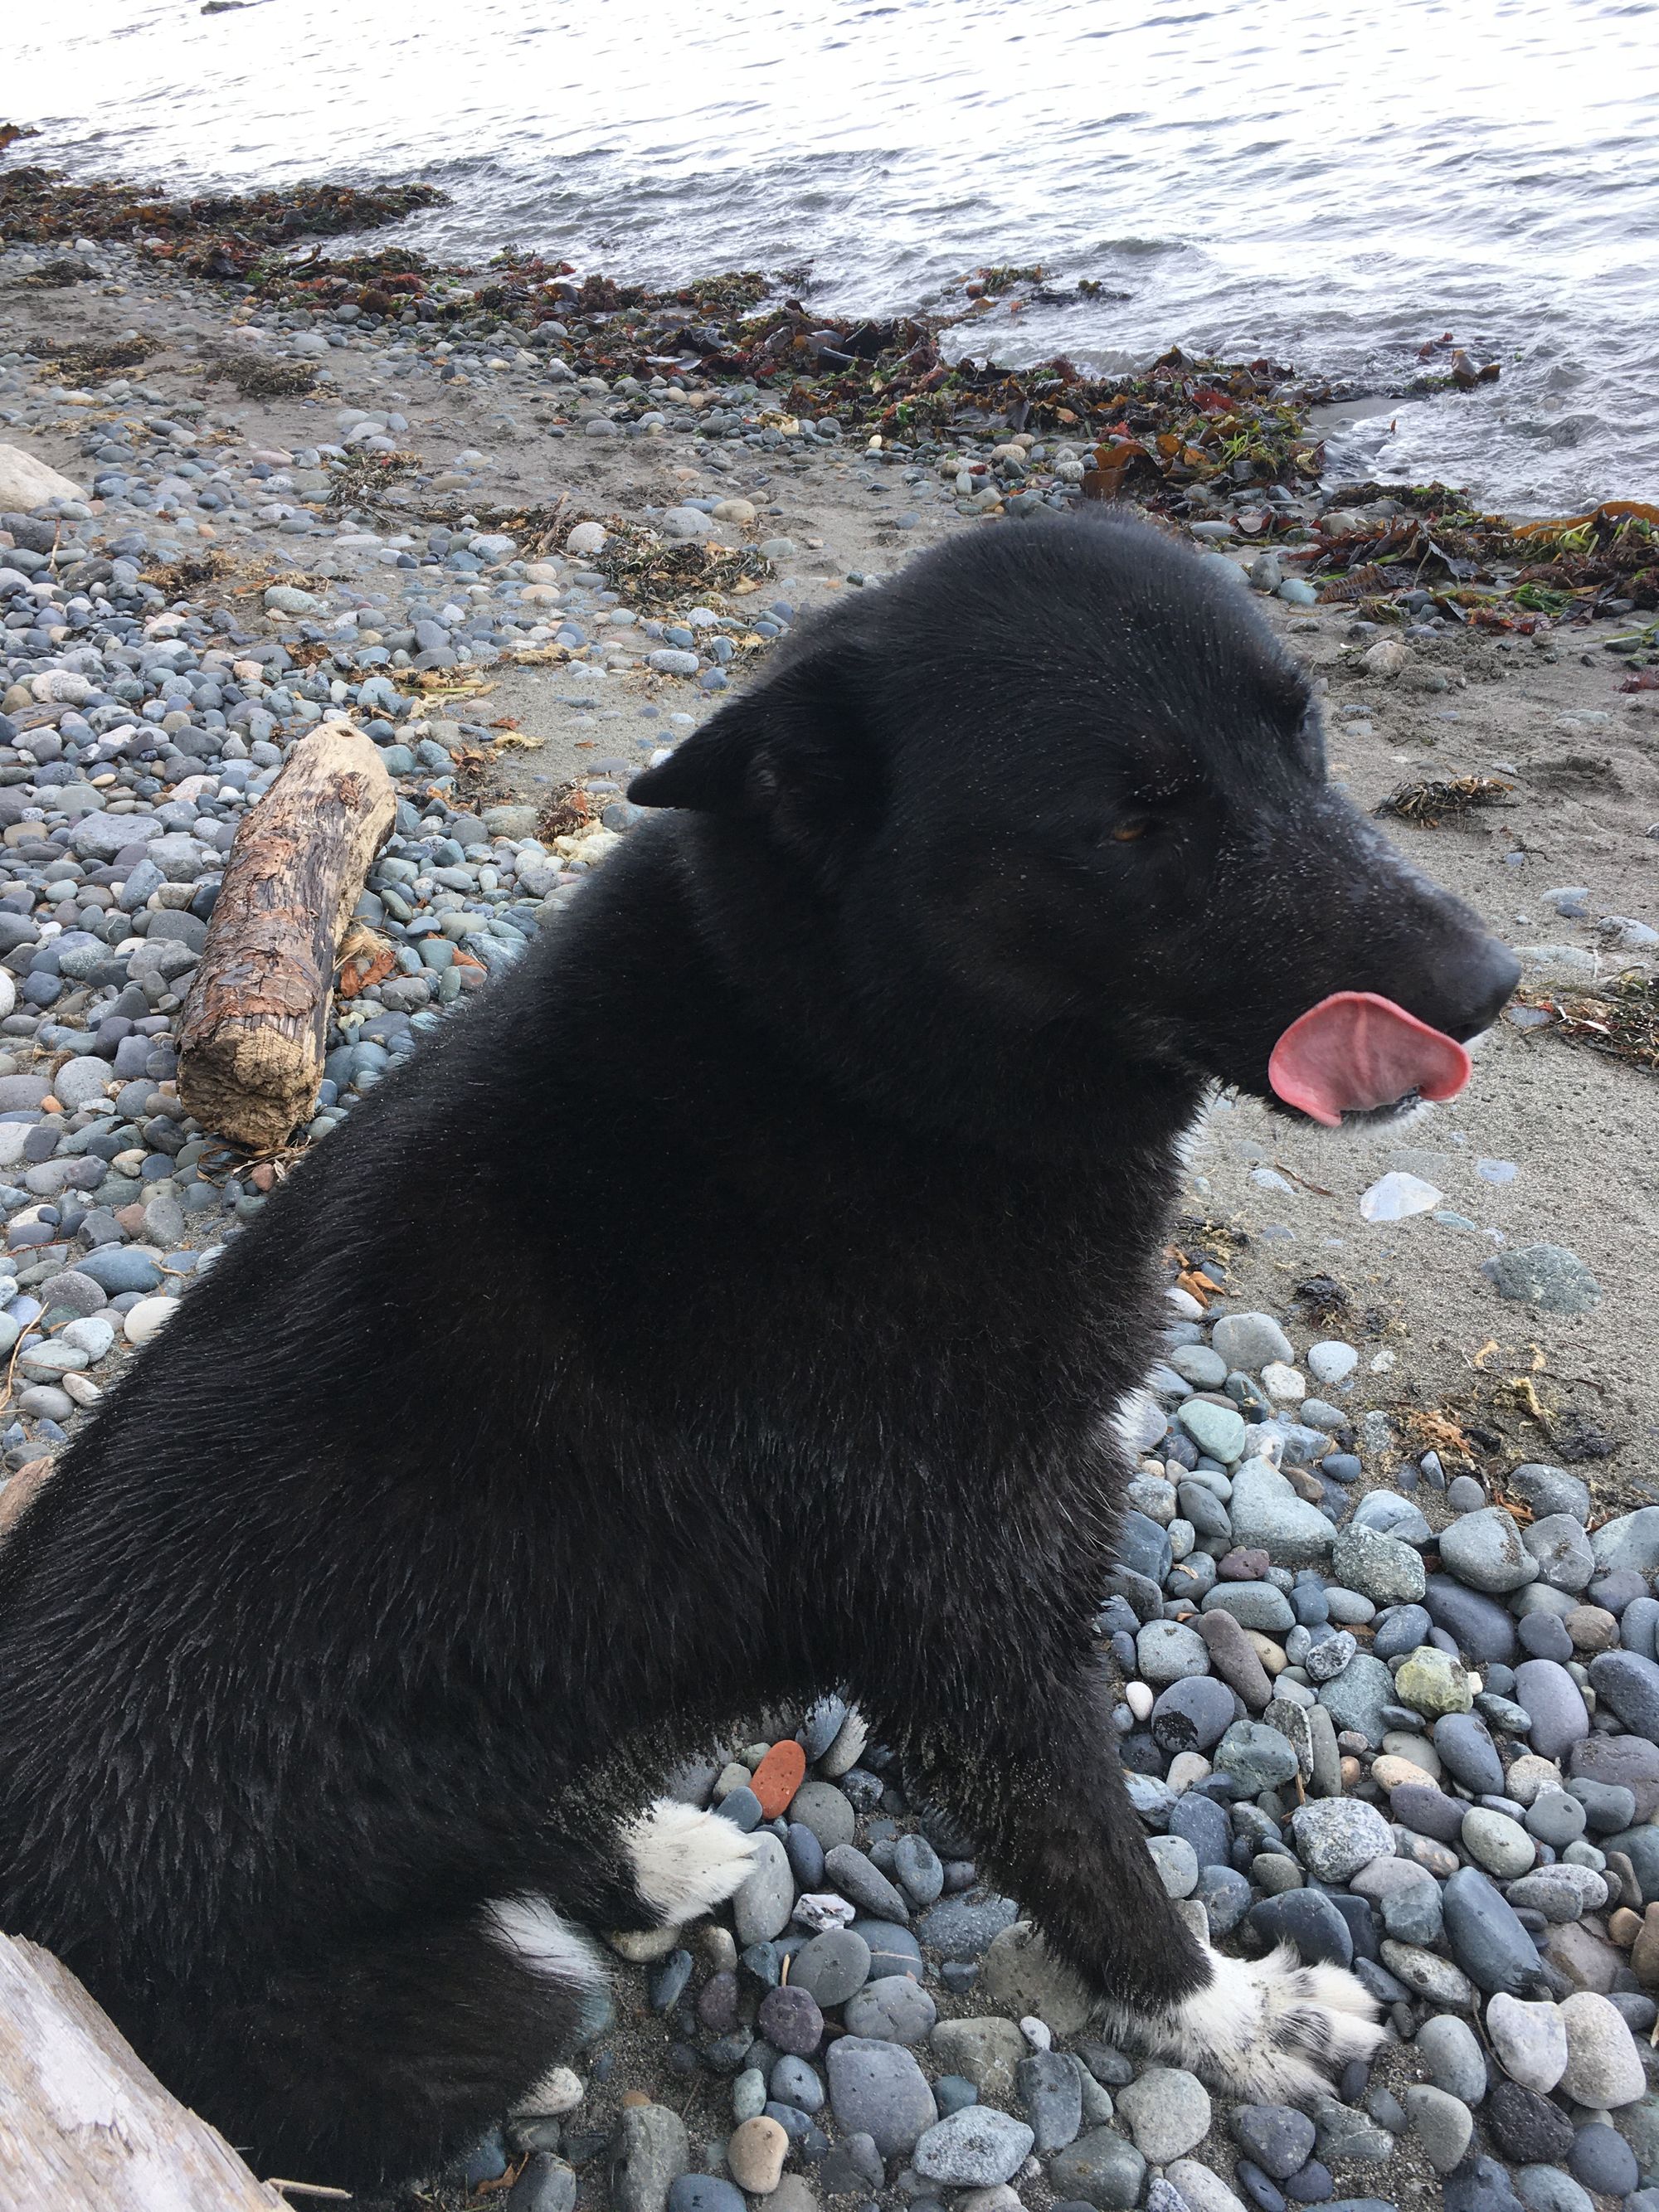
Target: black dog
column 735, row 1302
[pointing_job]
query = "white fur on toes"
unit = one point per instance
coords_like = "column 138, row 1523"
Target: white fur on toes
column 529, row 1930
column 685, row 1863
column 1268, row 2029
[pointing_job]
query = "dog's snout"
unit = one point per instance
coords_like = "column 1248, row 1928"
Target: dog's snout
column 1471, row 985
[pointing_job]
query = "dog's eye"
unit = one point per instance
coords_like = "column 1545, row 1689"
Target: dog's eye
column 1128, row 832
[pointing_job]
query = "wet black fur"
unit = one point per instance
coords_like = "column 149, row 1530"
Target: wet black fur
column 731, row 1305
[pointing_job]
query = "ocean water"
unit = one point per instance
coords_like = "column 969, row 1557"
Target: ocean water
column 1331, row 186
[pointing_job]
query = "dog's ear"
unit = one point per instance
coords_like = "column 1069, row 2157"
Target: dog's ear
column 795, row 755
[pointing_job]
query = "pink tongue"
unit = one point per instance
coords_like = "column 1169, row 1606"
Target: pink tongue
column 1355, row 1050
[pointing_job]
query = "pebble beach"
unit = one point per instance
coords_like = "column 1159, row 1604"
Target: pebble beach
column 1384, row 1632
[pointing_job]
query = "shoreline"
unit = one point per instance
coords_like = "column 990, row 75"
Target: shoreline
column 249, row 241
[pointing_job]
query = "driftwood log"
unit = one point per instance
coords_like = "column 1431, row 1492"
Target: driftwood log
column 252, row 1034
column 84, row 2124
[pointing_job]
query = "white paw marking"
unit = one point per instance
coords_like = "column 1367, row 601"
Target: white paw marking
column 528, row 1929
column 1267, row 2029
column 685, row 1863
column 1133, row 1418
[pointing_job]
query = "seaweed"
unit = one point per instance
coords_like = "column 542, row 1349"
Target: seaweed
column 362, row 477
column 217, row 234
column 1428, row 804
column 92, row 364
column 567, row 810
column 266, row 380
column 661, row 574
column 1618, row 1018
column 384, row 283
column 1482, row 568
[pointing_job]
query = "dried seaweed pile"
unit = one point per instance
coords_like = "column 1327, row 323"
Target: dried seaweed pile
column 1429, row 804
column 96, row 364
column 362, row 478
column 661, row 575
column 1618, row 1019
column 266, row 380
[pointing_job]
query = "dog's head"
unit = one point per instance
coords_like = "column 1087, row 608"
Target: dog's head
column 1057, row 791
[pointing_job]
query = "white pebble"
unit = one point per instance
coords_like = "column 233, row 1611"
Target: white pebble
column 556, row 2093
column 1396, row 1196
column 1036, row 2033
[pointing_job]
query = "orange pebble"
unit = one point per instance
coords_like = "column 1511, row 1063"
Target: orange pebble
column 778, row 1777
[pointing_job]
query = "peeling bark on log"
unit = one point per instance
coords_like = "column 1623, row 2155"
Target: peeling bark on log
column 252, row 1034
column 84, row 2124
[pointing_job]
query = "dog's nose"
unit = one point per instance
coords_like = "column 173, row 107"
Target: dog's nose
column 1473, row 987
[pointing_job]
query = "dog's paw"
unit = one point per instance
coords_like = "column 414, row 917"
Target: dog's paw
column 1269, row 2029
column 685, row 1863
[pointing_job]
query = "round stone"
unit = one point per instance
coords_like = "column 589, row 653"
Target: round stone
column 1553, row 1817
column 1434, row 1682
column 1530, row 2041
column 1176, row 1862
column 1104, row 2168
column 1603, row 2067
column 1332, row 1362
column 1250, row 1340
column 1276, row 2137
column 697, row 2192
column 1192, row 1715
column 1217, row 1430
column 1544, row 2189
column 1497, row 1843
column 1546, row 1277
column 895, row 2010
column 1051, row 2090
column 1382, row 1567
column 1166, row 1651
column 1308, row 1918
column 831, row 1966
column 877, row 2089
column 825, row 1811
column 1629, row 1685
column 1257, row 1756
column 1603, row 2160
column 761, row 1907
column 1465, row 1746
column 974, row 2148
column 78, row 1082
column 1488, row 1941
column 1553, row 1702
column 1526, row 2127
column 1442, row 2124
column 1452, row 2057
column 754, row 2152
column 1484, row 1551
column 791, row 2019
column 1337, row 1836
column 1167, row 2111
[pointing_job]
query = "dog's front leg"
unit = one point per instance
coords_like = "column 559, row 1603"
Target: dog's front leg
column 1032, row 1772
